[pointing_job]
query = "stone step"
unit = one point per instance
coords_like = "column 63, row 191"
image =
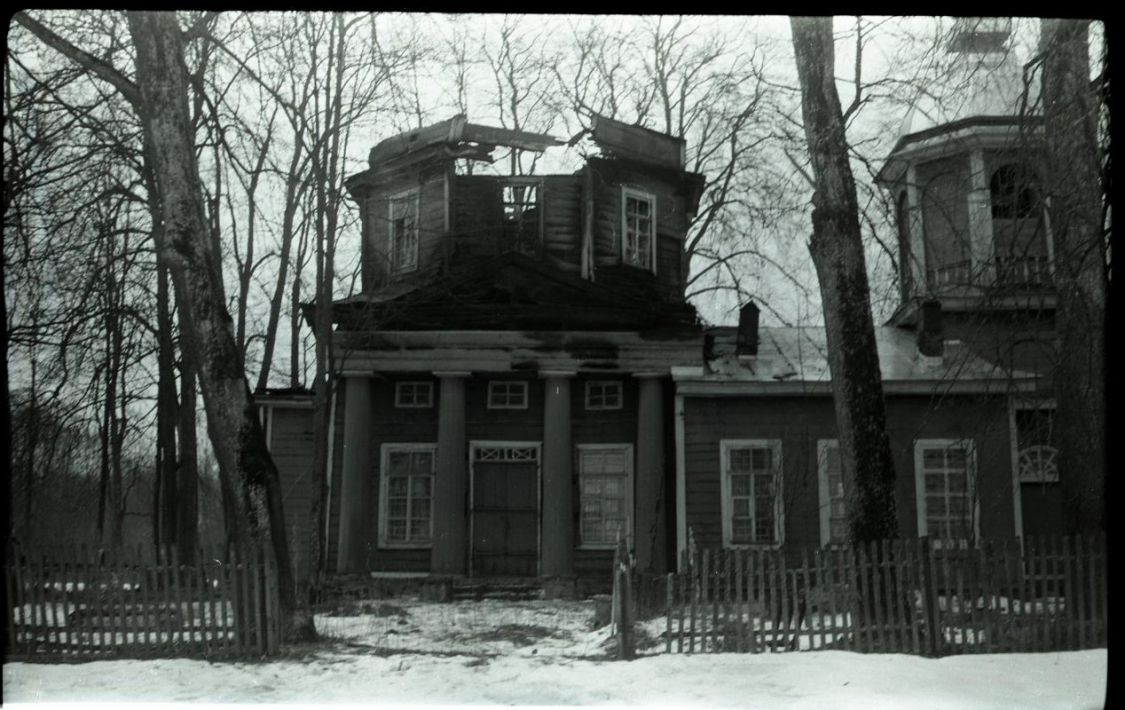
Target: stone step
column 497, row 589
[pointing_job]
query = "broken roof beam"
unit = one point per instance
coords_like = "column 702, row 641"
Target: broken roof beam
column 452, row 135
column 642, row 145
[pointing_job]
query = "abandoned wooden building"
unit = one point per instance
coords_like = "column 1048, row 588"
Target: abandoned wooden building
column 521, row 381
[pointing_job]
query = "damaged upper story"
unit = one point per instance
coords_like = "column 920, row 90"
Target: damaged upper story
column 619, row 221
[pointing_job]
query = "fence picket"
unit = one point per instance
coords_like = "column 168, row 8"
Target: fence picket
column 693, row 571
column 685, row 573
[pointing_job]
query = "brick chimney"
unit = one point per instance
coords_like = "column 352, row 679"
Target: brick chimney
column 930, row 337
column 747, row 330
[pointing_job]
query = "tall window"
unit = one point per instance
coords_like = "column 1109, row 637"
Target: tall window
column 638, row 228
column 406, row 495
column 751, row 490
column 605, row 481
column 1013, row 193
column 944, row 476
column 521, row 213
column 1019, row 236
column 403, row 237
column 833, row 510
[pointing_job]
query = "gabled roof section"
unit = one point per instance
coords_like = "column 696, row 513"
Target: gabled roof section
column 509, row 291
column 455, row 134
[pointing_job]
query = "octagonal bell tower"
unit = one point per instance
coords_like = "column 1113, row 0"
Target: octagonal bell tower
column 972, row 229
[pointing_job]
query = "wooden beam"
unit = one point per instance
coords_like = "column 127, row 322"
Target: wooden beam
column 637, row 143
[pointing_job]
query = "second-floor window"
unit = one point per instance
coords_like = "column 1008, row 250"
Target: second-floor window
column 414, row 395
column 521, row 214
column 507, row 395
column 638, row 228
column 403, row 236
column 603, row 394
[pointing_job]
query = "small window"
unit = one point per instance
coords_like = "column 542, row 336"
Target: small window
column 406, row 495
column 833, row 509
column 603, row 394
column 605, row 489
column 411, row 395
column 403, row 235
column 638, row 229
column 944, row 477
column 751, row 492
column 1037, row 457
column 507, row 395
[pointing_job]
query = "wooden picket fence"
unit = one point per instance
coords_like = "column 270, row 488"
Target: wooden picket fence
column 81, row 603
column 924, row 597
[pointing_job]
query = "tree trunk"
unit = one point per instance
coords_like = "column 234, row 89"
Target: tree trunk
column 836, row 247
column 1075, row 189
column 233, row 427
column 187, row 472
column 164, row 504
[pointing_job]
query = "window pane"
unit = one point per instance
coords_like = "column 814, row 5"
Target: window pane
column 741, row 507
column 396, row 530
column 760, row 459
column 397, row 485
column 740, row 459
column 740, row 485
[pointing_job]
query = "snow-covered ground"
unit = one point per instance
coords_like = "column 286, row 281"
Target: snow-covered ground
column 406, row 652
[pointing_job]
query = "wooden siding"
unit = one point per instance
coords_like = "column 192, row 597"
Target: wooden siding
column 671, row 227
column 800, row 421
column 562, row 220
column 291, row 446
column 476, row 213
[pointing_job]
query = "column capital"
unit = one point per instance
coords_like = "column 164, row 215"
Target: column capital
column 451, row 373
column 546, row 374
column 650, row 375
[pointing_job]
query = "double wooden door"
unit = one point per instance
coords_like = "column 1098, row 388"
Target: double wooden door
column 505, row 510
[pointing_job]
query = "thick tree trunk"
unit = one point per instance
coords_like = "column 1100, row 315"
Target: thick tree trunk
column 233, row 427
column 1073, row 170
column 837, row 252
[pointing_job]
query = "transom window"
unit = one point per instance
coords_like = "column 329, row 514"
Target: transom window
column 603, row 394
column 751, row 488
column 412, row 395
column 945, row 472
column 638, row 228
column 833, row 509
column 507, row 395
column 1036, row 455
column 406, row 495
column 605, row 474
column 403, row 237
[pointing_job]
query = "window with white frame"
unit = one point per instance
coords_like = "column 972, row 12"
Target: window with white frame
column 945, row 480
column 751, row 491
column 638, row 228
column 414, row 395
column 406, row 495
column 605, row 482
column 833, row 509
column 507, row 395
column 603, row 394
column 402, row 220
column 1036, row 455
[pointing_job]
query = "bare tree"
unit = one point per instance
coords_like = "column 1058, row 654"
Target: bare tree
column 1074, row 164
column 836, row 247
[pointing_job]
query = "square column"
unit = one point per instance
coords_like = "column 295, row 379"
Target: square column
column 981, row 245
column 651, row 514
column 355, row 476
column 558, row 473
column 451, row 539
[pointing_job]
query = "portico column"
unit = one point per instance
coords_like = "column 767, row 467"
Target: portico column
column 558, row 516
column 651, row 516
column 355, row 500
column 451, row 478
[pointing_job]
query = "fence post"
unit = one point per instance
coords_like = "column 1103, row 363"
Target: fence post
column 930, row 600
column 623, row 574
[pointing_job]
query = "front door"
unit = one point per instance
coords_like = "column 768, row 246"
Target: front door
column 505, row 510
